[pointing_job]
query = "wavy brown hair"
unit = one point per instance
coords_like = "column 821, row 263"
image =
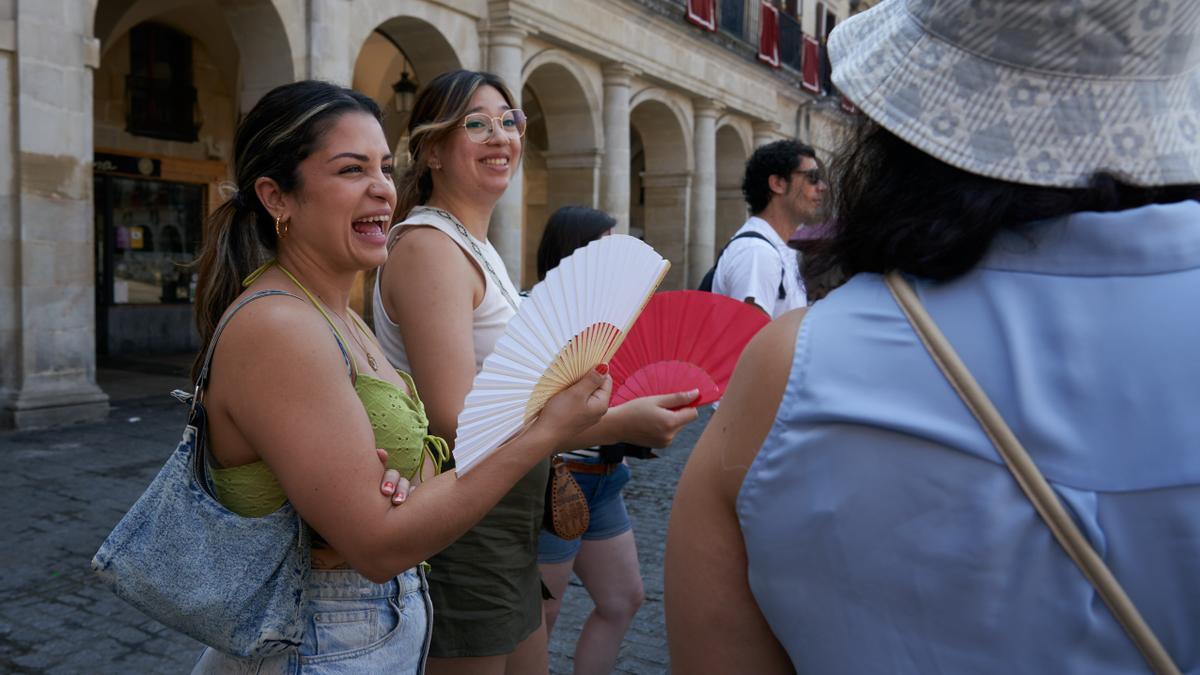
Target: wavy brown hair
column 282, row 129
column 437, row 112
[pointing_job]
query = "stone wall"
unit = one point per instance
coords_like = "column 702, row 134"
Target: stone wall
column 601, row 73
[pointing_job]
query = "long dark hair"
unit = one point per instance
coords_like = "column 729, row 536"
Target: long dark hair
column 439, row 108
column 568, row 229
column 282, row 129
column 898, row 208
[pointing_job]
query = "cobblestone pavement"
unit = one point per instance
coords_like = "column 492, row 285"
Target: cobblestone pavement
column 62, row 490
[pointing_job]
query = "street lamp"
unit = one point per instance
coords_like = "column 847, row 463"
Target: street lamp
column 404, row 92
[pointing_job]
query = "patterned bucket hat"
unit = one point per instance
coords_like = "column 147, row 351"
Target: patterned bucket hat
column 1039, row 92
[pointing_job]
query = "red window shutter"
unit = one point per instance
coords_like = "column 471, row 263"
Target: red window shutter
column 812, row 64
column 703, row 13
column 768, row 34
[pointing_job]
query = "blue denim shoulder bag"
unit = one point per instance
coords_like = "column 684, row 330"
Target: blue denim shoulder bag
column 231, row 582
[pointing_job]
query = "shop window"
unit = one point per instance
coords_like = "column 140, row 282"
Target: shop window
column 152, row 231
column 160, row 101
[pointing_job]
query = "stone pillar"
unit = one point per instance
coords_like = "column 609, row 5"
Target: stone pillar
column 330, row 54
column 506, row 59
column 764, row 132
column 666, row 209
column 47, row 248
column 614, row 185
column 703, row 221
column 570, row 178
column 574, row 178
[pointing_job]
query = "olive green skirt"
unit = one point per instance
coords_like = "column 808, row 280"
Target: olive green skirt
column 485, row 588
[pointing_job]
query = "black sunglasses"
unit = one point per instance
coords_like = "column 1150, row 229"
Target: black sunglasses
column 813, row 176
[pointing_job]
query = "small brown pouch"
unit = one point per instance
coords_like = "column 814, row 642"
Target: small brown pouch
column 566, row 513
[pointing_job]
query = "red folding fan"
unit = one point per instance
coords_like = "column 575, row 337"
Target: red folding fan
column 683, row 340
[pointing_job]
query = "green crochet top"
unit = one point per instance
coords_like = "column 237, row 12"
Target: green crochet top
column 398, row 420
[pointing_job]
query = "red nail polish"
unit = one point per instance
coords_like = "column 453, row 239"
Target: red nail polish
column 389, row 486
column 602, row 368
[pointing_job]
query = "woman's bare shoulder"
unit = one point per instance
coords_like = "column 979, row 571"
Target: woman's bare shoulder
column 752, row 400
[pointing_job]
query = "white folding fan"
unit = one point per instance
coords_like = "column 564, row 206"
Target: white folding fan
column 572, row 321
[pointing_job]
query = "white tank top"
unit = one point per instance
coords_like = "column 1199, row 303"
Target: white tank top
column 488, row 320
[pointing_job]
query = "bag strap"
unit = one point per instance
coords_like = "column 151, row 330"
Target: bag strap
column 202, row 378
column 756, row 235
column 1032, row 483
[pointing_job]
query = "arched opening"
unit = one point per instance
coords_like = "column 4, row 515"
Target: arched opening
column 562, row 157
column 732, row 154
column 167, row 94
column 661, row 197
column 402, row 49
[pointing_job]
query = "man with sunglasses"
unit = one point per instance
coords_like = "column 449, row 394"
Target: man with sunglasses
column 784, row 187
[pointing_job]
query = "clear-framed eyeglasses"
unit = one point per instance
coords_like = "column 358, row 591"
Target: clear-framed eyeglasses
column 481, row 126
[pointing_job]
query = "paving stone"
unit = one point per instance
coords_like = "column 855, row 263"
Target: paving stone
column 56, row 618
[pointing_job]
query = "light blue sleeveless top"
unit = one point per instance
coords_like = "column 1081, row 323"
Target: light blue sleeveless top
column 884, row 535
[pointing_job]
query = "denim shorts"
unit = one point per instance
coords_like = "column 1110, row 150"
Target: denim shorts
column 351, row 626
column 607, row 516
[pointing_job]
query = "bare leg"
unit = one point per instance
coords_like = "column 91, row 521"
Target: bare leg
column 609, row 571
column 555, row 576
column 532, row 656
column 467, row 665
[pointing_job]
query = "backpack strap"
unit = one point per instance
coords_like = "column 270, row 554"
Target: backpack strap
column 756, row 235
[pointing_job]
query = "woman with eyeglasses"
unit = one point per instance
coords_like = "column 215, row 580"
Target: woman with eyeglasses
column 441, row 302
column 314, row 194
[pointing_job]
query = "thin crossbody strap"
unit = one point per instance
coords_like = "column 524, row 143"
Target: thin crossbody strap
column 475, row 250
column 1029, row 478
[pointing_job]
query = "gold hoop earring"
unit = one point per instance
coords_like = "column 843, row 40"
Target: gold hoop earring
column 281, row 227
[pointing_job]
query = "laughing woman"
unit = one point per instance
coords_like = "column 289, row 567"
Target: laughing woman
column 315, row 192
column 441, row 302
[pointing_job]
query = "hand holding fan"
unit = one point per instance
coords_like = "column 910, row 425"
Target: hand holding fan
column 684, row 340
column 572, row 321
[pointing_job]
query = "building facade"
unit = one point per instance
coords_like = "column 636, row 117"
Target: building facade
column 119, row 116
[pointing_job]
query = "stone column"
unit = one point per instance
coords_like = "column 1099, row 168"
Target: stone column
column 506, row 59
column 667, row 196
column 47, row 247
column 574, row 178
column 330, row 54
column 570, row 178
column 703, row 222
column 614, row 184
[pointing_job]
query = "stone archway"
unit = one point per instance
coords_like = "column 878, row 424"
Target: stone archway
column 247, row 39
column 400, row 45
column 661, row 197
column 732, row 153
column 562, row 147
column 223, row 56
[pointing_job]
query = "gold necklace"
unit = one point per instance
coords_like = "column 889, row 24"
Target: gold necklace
column 354, row 330
column 315, row 301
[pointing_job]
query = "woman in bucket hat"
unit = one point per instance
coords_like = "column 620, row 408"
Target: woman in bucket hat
column 1032, row 169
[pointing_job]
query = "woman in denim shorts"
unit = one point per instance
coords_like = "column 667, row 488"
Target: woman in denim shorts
column 605, row 557
column 314, row 198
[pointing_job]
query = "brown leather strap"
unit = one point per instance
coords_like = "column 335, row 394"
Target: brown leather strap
column 1029, row 477
column 599, row 468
